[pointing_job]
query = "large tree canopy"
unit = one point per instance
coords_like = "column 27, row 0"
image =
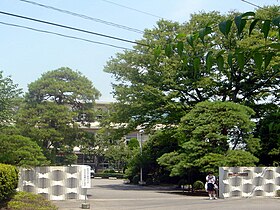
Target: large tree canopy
column 63, row 86
column 54, row 104
column 211, row 57
column 210, row 133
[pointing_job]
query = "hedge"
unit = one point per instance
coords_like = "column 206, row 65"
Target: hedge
column 8, row 181
column 27, row 200
column 107, row 175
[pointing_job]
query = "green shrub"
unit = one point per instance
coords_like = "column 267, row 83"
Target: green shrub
column 198, row 185
column 20, row 151
column 109, row 171
column 278, row 193
column 8, row 181
column 107, row 175
column 30, row 201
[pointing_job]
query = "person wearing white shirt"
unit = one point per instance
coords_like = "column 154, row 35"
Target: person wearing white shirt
column 211, row 180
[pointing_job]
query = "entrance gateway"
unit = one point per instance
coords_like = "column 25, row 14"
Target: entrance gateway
column 248, row 181
column 56, row 182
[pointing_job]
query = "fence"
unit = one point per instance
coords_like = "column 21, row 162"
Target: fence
column 55, row 182
column 248, row 181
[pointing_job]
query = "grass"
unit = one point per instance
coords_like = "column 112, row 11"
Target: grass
column 29, row 201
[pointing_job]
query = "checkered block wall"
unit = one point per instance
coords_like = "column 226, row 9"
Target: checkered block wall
column 54, row 182
column 248, row 181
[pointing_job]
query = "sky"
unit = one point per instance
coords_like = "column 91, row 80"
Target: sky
column 26, row 54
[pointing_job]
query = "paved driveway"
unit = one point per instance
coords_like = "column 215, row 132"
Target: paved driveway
column 113, row 194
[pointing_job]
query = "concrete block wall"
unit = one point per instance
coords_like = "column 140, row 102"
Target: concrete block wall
column 53, row 182
column 248, row 181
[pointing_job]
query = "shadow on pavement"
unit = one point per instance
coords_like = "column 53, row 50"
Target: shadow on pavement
column 137, row 187
column 172, row 189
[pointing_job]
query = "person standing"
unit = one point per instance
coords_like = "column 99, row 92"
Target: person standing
column 211, row 181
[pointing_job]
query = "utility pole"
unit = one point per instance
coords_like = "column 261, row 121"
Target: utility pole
column 141, row 168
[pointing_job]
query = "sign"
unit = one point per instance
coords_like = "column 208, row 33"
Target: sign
column 85, row 177
column 243, row 174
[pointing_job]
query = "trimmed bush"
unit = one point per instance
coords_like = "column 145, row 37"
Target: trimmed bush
column 20, row 151
column 109, row 171
column 30, row 201
column 107, row 175
column 198, row 185
column 8, row 182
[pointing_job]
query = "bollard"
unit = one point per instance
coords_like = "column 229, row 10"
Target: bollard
column 85, row 206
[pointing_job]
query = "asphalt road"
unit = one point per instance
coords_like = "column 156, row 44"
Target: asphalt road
column 114, row 194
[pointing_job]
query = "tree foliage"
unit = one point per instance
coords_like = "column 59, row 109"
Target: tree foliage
column 118, row 155
column 51, row 126
column 213, row 57
column 63, row 86
column 222, row 125
column 9, row 95
column 268, row 129
column 212, row 134
column 232, row 158
column 159, row 143
column 54, row 104
column 133, row 143
column 20, row 151
column 232, row 57
column 9, row 182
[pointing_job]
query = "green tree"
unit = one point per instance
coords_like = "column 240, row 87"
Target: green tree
column 141, row 90
column 55, row 104
column 117, row 156
column 133, row 143
column 232, row 158
column 63, row 86
column 209, row 134
column 9, row 95
column 20, row 151
column 233, row 57
column 159, row 143
column 268, row 128
column 211, row 57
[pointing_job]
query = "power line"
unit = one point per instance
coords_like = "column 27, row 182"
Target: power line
column 73, row 28
column 63, row 35
column 255, row 5
column 84, row 16
column 146, row 13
